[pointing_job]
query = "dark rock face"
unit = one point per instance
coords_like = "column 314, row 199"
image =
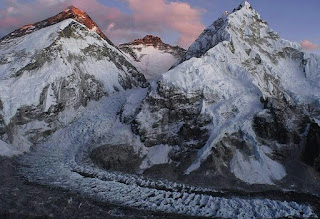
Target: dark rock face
column 271, row 129
column 178, row 120
column 312, row 147
column 116, row 157
column 2, row 124
column 281, row 122
column 271, row 126
column 209, row 39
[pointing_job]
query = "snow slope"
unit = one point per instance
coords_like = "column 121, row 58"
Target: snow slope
column 7, row 150
column 153, row 62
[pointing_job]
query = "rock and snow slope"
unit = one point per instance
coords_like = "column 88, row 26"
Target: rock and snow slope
column 62, row 161
column 238, row 104
column 55, row 68
column 152, row 56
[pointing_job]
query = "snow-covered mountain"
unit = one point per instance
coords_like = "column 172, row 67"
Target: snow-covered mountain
column 57, row 65
column 152, row 56
column 237, row 106
column 239, row 111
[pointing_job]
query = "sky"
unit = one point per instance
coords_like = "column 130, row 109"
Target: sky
column 178, row 22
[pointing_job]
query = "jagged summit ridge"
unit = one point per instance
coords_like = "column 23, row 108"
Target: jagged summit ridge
column 151, row 40
column 74, row 9
column 147, row 40
column 70, row 12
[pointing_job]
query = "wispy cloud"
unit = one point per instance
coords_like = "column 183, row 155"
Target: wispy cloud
column 153, row 16
column 309, row 46
column 162, row 15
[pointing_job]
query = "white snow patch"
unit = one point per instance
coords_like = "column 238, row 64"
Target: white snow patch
column 7, row 150
column 50, row 99
column 152, row 61
column 156, row 155
column 245, row 4
column 256, row 171
column 94, row 29
column 133, row 103
column 317, row 121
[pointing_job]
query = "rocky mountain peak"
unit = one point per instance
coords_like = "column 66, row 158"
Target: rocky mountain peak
column 242, row 24
column 152, row 56
column 74, row 10
column 78, row 15
column 245, row 9
column 69, row 13
column 153, row 41
column 148, row 40
column 242, row 6
column 245, row 4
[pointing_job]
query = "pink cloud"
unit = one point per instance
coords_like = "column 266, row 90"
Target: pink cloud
column 160, row 17
column 310, row 46
column 162, row 14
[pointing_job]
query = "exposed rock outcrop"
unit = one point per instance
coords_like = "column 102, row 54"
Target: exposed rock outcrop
column 312, row 147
